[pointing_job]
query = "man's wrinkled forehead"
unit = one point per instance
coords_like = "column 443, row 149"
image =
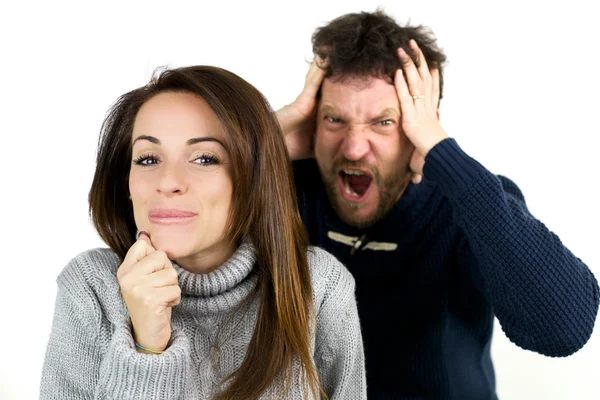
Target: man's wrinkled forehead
column 356, row 97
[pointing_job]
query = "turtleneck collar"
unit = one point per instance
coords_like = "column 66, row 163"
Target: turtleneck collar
column 219, row 290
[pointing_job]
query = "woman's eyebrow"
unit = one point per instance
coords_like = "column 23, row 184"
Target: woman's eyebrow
column 189, row 142
column 204, row 139
column 151, row 139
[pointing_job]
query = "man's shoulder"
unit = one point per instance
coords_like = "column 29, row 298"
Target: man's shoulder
column 305, row 169
column 510, row 186
column 309, row 187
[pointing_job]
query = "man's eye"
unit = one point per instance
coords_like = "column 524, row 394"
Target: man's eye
column 333, row 120
column 386, row 122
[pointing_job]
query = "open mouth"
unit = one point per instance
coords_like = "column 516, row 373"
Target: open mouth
column 355, row 183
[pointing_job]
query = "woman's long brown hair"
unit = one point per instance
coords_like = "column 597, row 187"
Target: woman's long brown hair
column 264, row 207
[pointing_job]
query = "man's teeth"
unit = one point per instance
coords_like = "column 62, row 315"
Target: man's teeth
column 347, row 187
column 349, row 190
column 353, row 172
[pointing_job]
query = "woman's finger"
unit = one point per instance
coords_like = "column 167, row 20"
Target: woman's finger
column 161, row 278
column 138, row 251
column 167, row 295
column 152, row 263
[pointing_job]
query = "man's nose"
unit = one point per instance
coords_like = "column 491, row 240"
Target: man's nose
column 356, row 144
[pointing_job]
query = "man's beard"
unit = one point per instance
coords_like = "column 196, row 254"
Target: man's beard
column 390, row 188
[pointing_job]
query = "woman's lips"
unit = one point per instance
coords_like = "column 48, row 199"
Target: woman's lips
column 170, row 216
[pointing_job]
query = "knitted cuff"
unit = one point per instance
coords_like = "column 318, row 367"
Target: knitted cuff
column 128, row 374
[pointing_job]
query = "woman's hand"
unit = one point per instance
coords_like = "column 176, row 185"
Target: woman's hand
column 150, row 288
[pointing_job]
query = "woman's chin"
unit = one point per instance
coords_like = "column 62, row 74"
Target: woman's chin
column 174, row 248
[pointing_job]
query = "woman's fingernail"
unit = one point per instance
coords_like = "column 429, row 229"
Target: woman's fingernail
column 140, row 233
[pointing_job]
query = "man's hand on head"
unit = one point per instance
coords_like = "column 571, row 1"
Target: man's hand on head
column 418, row 91
column 297, row 119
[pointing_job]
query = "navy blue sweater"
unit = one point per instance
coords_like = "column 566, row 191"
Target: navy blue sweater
column 466, row 249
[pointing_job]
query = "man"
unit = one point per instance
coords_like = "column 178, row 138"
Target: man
column 437, row 244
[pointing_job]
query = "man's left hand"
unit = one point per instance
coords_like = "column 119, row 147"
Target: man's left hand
column 418, row 90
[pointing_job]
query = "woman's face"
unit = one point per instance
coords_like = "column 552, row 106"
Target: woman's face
column 181, row 180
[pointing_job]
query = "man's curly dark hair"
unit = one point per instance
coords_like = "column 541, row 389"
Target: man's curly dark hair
column 365, row 44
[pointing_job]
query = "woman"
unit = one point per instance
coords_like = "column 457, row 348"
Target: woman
column 218, row 294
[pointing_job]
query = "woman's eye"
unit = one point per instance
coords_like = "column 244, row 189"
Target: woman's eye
column 206, row 159
column 146, row 160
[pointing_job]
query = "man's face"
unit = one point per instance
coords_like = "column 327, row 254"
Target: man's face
column 360, row 148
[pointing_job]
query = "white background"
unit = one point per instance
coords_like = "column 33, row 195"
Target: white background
column 521, row 97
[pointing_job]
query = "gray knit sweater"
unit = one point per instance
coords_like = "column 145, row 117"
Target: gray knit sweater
column 91, row 353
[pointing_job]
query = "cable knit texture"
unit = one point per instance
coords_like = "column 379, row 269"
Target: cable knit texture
column 468, row 249
column 91, row 353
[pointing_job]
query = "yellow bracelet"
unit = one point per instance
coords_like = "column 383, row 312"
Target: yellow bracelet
column 149, row 350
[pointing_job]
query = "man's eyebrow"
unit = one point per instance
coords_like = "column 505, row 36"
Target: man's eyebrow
column 189, row 142
column 389, row 111
column 386, row 113
column 327, row 109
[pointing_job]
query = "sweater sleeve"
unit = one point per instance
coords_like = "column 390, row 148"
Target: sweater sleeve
column 339, row 354
column 545, row 298
column 84, row 360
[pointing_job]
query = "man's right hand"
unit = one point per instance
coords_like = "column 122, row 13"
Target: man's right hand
column 150, row 289
column 298, row 119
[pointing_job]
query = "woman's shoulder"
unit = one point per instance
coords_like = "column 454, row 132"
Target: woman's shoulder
column 89, row 268
column 328, row 274
column 89, row 280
